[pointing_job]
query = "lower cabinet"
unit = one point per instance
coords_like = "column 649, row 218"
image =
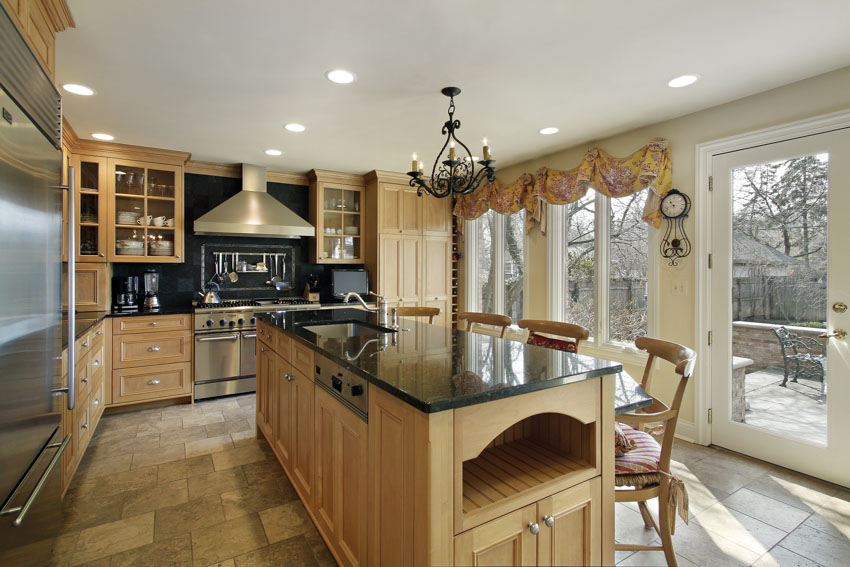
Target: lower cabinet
column 282, row 400
column 562, row 529
column 301, row 467
column 339, row 501
column 265, row 374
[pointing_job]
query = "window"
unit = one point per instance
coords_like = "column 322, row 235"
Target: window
column 496, row 260
column 599, row 266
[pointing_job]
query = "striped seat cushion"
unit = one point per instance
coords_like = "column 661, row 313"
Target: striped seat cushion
column 549, row 342
column 642, row 458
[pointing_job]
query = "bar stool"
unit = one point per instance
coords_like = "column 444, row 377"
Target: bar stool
column 429, row 312
column 492, row 319
column 574, row 333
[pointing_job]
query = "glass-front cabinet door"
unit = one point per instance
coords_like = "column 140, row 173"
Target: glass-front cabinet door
column 90, row 208
column 146, row 212
column 339, row 231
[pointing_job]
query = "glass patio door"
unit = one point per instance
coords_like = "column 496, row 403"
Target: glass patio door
column 780, row 364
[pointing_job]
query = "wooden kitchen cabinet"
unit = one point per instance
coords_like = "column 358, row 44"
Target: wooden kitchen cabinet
column 280, row 415
column 337, row 211
column 265, row 373
column 436, row 276
column 399, row 209
column 399, row 269
column 91, row 208
column 145, row 215
column 301, row 412
column 339, row 501
column 39, row 21
column 436, row 215
column 504, row 541
column 92, row 287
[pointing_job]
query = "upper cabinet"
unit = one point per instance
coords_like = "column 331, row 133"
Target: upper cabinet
column 39, row 22
column 90, row 207
column 145, row 217
column 399, row 209
column 337, row 212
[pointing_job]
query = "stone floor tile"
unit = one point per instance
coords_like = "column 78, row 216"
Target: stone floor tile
column 244, row 437
column 715, row 473
column 117, row 483
column 255, row 498
column 184, row 518
column 89, row 511
column 174, row 552
column 818, row 546
column 216, row 483
column 209, row 445
column 185, row 468
column 654, row 559
column 796, row 490
column 740, row 528
column 102, row 562
column 295, row 552
column 702, row 547
column 832, row 518
column 160, row 496
column 320, row 550
column 285, row 521
column 263, row 471
column 226, row 563
column 158, row 456
column 181, row 410
column 770, row 511
column 227, row 427
column 91, row 468
column 781, row 557
column 245, row 412
column 107, row 435
column 249, row 400
column 181, row 436
column 114, row 537
column 239, row 456
column 219, row 404
column 229, row 539
column 126, row 419
column 629, row 527
column 620, row 556
column 202, row 419
column 157, row 427
column 123, row 447
column 52, row 552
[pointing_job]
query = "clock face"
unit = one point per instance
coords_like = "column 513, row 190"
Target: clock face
column 673, row 205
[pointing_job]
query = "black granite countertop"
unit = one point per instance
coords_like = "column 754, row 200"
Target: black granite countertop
column 85, row 320
column 165, row 310
column 434, row 368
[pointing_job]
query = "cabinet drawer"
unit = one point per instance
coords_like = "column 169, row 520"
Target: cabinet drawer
column 82, row 378
column 151, row 348
column 81, row 347
column 146, row 383
column 96, row 334
column 96, row 363
column 147, row 323
column 282, row 345
column 82, row 427
column 266, row 334
column 302, row 359
column 96, row 403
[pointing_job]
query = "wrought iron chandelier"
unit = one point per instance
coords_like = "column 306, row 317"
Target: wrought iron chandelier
column 454, row 176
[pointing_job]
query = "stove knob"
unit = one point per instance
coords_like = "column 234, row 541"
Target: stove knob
column 232, row 323
column 223, row 322
column 253, row 320
column 210, row 323
column 241, row 321
column 357, row 390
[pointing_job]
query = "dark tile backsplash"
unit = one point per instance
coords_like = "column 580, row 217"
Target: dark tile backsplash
column 181, row 282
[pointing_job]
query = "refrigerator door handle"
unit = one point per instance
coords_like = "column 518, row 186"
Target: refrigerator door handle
column 72, row 287
column 21, row 511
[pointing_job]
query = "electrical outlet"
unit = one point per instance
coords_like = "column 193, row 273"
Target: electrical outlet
column 680, row 287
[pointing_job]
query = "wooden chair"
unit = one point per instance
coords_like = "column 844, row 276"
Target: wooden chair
column 429, row 312
column 646, row 467
column 493, row 319
column 575, row 334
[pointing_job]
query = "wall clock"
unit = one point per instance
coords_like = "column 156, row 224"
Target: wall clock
column 675, row 207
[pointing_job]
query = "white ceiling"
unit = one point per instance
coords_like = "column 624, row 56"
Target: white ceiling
column 220, row 78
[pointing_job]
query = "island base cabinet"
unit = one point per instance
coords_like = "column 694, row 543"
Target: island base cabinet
column 265, row 376
column 301, row 456
column 567, row 526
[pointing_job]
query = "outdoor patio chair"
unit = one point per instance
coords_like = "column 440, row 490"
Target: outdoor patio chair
column 803, row 357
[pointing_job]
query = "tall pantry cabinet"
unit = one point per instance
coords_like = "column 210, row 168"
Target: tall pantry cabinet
column 410, row 250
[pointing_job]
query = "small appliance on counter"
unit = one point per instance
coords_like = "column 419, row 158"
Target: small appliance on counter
column 151, row 289
column 344, row 281
column 125, row 294
column 311, row 290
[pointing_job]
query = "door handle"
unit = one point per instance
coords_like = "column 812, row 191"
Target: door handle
column 839, row 334
column 153, row 382
column 153, row 349
column 225, row 338
column 246, row 336
column 72, row 293
column 21, row 511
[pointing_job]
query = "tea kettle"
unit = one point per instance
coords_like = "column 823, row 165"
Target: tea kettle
column 210, row 295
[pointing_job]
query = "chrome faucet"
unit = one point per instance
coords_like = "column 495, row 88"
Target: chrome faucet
column 382, row 309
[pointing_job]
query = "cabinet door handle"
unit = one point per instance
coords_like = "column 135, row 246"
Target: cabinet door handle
column 102, row 255
column 86, row 380
column 99, row 333
column 549, row 521
column 96, row 401
column 154, row 323
column 95, row 363
column 84, row 426
column 153, row 382
column 85, row 344
column 534, row 528
column 288, row 377
column 262, row 349
column 153, row 349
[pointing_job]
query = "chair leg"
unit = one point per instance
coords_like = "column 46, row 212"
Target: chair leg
column 664, row 520
column 644, row 512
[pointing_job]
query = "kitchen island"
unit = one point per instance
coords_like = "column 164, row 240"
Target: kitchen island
column 432, row 447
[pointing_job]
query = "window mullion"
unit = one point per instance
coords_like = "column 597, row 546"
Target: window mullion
column 499, row 263
column 556, row 267
column 601, row 267
column 473, row 286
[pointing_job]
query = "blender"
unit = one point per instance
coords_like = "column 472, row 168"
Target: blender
column 151, row 288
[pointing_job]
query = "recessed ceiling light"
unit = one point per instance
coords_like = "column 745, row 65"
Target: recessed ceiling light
column 683, row 81
column 340, row 76
column 549, row 131
column 78, row 89
column 273, row 152
column 295, row 127
column 102, row 136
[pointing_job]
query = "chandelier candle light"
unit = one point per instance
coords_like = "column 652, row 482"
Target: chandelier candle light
column 454, row 176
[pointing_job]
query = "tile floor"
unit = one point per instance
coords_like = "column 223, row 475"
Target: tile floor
column 191, row 485
column 185, row 486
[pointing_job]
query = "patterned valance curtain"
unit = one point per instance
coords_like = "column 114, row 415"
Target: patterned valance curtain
column 649, row 167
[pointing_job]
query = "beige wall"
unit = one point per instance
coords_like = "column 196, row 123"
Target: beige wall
column 812, row 97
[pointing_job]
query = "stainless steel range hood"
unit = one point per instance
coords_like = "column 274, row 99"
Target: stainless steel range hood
column 253, row 212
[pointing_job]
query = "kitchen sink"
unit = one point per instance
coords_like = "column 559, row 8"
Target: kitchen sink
column 345, row 329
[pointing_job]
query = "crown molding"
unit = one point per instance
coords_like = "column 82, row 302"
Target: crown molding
column 123, row 151
column 335, row 177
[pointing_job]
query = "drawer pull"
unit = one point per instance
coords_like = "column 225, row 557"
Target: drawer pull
column 262, row 349
column 288, row 377
column 95, row 363
column 84, row 426
column 96, row 401
column 99, row 333
column 85, row 344
column 153, row 349
column 153, row 382
column 85, row 380
column 153, row 323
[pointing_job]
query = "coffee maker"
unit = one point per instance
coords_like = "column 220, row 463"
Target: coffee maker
column 125, row 294
column 151, row 288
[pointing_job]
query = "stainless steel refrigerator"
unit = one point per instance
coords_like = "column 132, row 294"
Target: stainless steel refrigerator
column 31, row 395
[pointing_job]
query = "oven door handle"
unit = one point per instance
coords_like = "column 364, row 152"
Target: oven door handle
column 247, row 336
column 225, row 338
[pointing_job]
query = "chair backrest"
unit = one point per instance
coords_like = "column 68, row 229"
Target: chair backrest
column 786, row 341
column 485, row 319
column 683, row 359
column 429, row 312
column 575, row 332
